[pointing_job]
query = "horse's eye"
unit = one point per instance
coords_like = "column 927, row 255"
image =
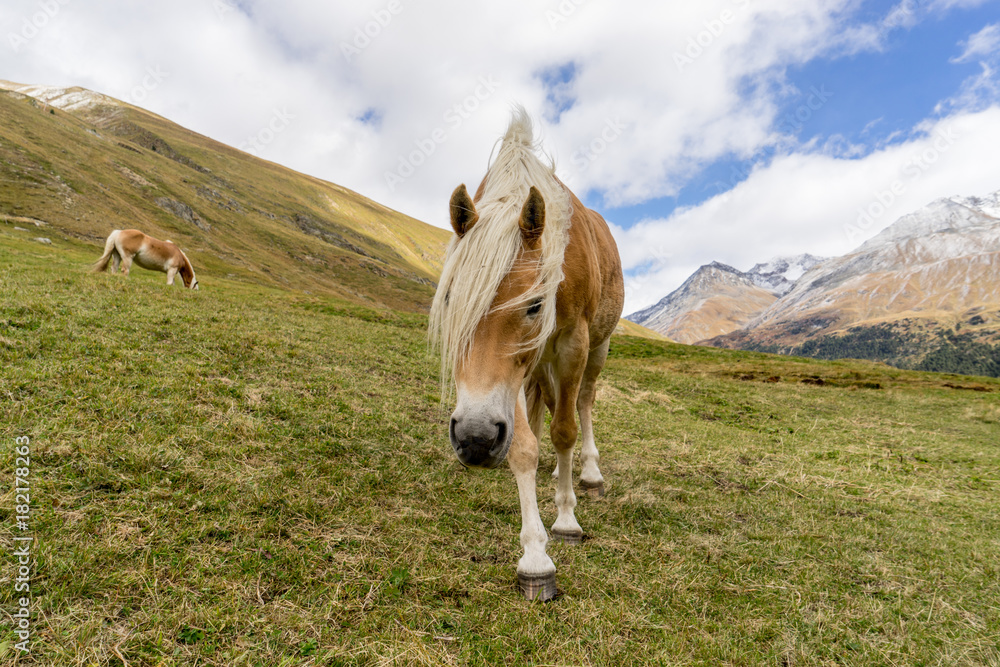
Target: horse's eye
column 446, row 295
column 535, row 306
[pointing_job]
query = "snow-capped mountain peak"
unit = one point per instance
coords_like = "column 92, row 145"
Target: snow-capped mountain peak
column 67, row 99
column 780, row 274
column 716, row 299
column 950, row 214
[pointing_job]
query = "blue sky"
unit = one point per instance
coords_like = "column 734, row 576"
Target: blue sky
column 868, row 99
column 669, row 118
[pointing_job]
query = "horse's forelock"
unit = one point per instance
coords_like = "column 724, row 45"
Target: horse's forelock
column 476, row 263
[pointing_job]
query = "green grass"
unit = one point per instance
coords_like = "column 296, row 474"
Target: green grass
column 102, row 168
column 246, row 476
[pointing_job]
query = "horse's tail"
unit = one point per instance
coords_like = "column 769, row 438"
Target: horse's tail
column 109, row 249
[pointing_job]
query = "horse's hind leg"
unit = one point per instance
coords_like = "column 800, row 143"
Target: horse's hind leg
column 126, row 263
column 570, row 366
column 116, row 260
column 590, row 475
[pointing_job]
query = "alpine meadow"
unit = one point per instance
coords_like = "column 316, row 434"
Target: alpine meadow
column 258, row 472
column 242, row 475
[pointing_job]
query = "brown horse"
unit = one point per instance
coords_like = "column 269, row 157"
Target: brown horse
column 529, row 296
column 125, row 245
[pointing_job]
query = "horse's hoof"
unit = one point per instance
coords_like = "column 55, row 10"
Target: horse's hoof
column 567, row 538
column 538, row 586
column 595, row 490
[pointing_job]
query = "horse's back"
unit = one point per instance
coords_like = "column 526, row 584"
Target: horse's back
column 593, row 283
column 149, row 252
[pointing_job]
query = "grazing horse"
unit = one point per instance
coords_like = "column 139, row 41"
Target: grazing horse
column 126, row 245
column 529, row 296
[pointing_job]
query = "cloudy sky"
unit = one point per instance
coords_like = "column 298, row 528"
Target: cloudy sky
column 729, row 130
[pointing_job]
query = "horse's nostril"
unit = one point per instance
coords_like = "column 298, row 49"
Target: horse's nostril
column 451, row 429
column 501, row 433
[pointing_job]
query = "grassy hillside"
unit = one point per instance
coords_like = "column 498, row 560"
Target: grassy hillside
column 111, row 165
column 627, row 328
column 245, row 476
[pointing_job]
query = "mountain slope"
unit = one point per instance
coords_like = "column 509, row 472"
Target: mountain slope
column 715, row 300
column 780, row 274
column 943, row 259
column 718, row 299
column 81, row 164
column 928, row 284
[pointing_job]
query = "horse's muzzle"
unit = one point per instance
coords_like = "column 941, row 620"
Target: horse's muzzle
column 480, row 444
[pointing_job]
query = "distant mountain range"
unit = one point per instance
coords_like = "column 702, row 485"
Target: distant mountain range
column 718, row 299
column 924, row 293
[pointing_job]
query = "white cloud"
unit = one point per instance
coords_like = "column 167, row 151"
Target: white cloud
column 982, row 45
column 233, row 64
column 815, row 203
column 392, row 86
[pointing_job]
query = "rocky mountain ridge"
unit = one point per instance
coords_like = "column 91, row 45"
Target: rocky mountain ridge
column 719, row 298
column 922, row 293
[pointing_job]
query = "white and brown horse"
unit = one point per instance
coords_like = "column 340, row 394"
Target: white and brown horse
column 529, row 296
column 127, row 245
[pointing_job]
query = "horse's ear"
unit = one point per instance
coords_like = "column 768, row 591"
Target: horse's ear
column 463, row 211
column 533, row 218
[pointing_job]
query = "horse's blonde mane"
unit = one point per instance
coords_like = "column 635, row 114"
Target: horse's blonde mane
column 476, row 263
column 187, row 262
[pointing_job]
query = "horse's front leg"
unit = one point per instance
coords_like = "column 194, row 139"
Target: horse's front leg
column 171, row 272
column 536, row 573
